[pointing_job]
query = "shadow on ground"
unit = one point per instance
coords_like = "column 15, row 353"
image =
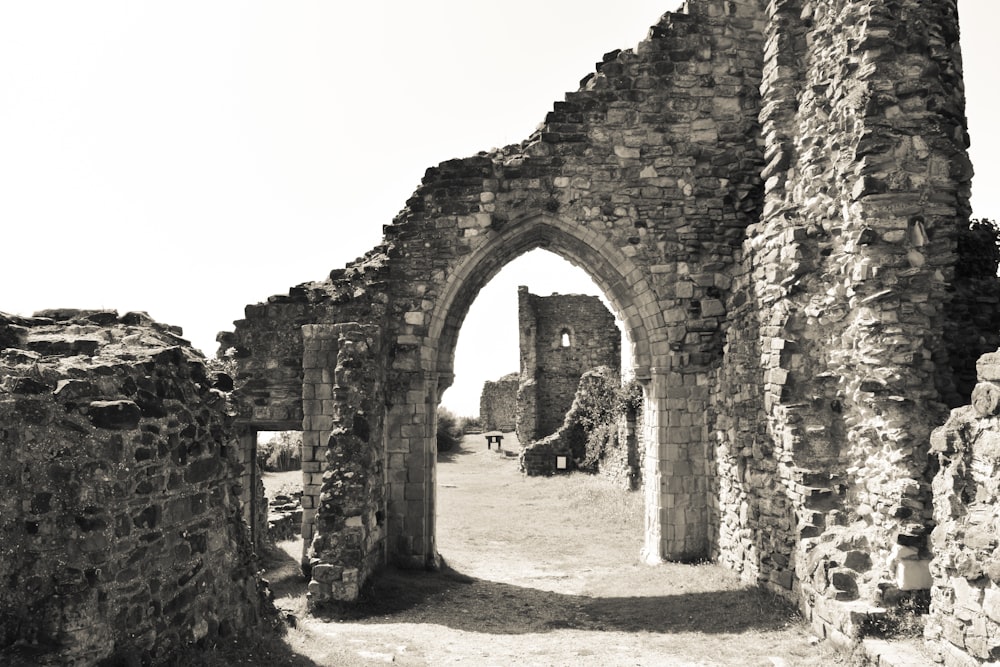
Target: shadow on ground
column 452, row 599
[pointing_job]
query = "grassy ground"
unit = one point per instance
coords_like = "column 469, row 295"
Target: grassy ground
column 538, row 571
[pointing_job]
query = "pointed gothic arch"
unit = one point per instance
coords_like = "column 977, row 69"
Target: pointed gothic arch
column 621, row 281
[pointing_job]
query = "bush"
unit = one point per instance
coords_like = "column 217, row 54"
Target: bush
column 978, row 250
column 472, row 425
column 449, row 431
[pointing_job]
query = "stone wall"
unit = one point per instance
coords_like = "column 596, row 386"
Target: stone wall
column 266, row 345
column 622, row 462
column 344, row 525
column 123, row 530
column 598, row 434
column 964, row 619
column 769, row 196
column 498, row 404
column 561, row 338
column 834, row 373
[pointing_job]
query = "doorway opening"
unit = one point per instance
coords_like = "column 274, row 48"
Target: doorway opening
column 279, row 460
column 494, row 522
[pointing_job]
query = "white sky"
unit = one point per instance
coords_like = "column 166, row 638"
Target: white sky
column 188, row 158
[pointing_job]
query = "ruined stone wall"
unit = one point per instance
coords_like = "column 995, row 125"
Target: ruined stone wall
column 768, row 194
column 349, row 495
column 847, row 271
column 498, row 404
column 964, row 620
column 123, row 531
column 622, row 463
column 267, row 344
column 561, row 337
column 598, row 434
column 647, row 177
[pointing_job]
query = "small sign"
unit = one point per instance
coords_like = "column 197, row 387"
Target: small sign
column 560, row 463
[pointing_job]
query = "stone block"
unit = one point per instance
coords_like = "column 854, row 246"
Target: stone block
column 988, row 367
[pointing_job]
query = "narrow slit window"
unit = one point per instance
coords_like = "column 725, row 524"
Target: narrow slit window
column 564, row 339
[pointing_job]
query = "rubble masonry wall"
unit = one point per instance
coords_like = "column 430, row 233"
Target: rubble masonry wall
column 964, row 618
column 498, row 404
column 123, row 530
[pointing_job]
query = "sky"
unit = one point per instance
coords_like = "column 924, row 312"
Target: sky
column 191, row 157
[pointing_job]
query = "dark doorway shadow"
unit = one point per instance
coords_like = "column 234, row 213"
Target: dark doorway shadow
column 452, row 599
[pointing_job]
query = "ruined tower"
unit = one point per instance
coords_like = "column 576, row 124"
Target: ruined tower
column 562, row 337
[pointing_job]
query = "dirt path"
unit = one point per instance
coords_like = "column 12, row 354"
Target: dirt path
column 545, row 572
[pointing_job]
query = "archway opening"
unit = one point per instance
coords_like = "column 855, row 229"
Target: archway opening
column 493, row 522
column 488, row 345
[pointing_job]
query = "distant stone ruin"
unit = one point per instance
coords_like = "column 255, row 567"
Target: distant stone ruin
column 598, row 434
column 498, row 403
column 561, row 337
column 769, row 195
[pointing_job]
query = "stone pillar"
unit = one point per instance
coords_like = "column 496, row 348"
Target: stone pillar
column 345, row 409
column 412, row 451
column 652, row 414
column 319, row 361
column 674, row 466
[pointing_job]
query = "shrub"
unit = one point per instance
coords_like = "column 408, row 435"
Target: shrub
column 472, row 424
column 449, row 430
column 978, row 250
column 605, row 404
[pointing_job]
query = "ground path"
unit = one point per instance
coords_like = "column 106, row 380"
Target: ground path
column 545, row 571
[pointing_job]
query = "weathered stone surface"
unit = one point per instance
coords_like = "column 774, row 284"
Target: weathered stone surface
column 776, row 224
column 986, row 399
column 561, row 338
column 114, row 414
column 498, row 404
column 965, row 601
column 123, row 537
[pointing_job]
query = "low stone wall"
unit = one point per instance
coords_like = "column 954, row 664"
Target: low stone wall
column 123, row 536
column 284, row 517
column 498, row 404
column 964, row 616
column 594, row 435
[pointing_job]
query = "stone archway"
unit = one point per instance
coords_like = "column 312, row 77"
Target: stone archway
column 644, row 177
column 775, row 230
column 622, row 282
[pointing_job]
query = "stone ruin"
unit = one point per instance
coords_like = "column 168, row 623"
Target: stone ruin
column 498, row 403
column 561, row 337
column 124, row 492
column 770, row 195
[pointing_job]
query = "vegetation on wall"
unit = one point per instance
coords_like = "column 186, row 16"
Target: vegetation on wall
column 978, row 250
column 972, row 323
column 603, row 403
